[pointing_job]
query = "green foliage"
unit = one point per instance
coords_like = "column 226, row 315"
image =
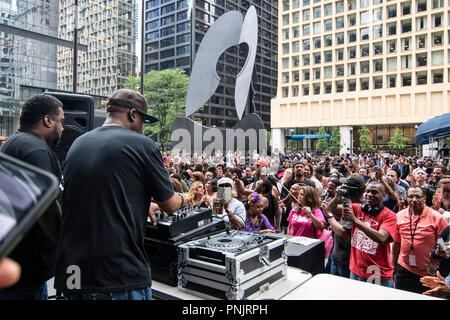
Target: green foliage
column 335, row 140
column 322, row 143
column 165, row 92
column 397, row 141
column 447, row 142
column 365, row 140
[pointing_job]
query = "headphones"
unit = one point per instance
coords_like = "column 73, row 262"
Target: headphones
column 373, row 211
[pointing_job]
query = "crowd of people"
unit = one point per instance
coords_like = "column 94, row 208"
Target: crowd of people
column 383, row 217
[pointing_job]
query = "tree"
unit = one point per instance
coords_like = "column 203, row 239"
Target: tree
column 322, row 142
column 165, row 92
column 397, row 141
column 335, row 140
column 365, row 140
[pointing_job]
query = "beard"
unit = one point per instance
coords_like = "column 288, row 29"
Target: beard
column 56, row 137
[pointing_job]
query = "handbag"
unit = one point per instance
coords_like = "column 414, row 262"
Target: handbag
column 327, row 237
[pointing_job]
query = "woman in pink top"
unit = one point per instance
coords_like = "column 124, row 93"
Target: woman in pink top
column 308, row 220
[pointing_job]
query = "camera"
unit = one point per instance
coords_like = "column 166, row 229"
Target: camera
column 348, row 192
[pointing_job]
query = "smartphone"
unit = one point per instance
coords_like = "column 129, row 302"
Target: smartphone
column 25, row 194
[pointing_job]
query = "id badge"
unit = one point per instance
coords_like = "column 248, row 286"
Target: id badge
column 412, row 260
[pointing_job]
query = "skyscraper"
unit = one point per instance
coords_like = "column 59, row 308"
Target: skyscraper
column 28, row 47
column 108, row 28
column 173, row 32
column 384, row 64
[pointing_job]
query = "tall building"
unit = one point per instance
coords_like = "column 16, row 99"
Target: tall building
column 384, row 64
column 28, row 47
column 107, row 28
column 173, row 32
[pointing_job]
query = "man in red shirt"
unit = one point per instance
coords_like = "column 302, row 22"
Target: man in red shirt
column 373, row 229
column 418, row 228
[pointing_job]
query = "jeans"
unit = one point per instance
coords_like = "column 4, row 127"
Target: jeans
column 140, row 294
column 339, row 270
column 384, row 282
column 38, row 292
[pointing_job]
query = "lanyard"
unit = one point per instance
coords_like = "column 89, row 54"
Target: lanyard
column 410, row 229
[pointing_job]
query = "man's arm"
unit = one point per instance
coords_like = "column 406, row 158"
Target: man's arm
column 236, row 217
column 50, row 221
column 395, row 254
column 175, row 202
column 379, row 237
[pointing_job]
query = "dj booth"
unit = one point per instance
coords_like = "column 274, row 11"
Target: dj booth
column 194, row 252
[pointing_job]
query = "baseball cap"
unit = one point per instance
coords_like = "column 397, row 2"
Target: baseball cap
column 355, row 181
column 131, row 99
column 225, row 180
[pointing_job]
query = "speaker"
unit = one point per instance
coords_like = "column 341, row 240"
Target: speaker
column 78, row 119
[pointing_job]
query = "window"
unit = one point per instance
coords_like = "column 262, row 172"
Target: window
column 392, row 64
column 339, row 86
column 316, row 12
column 316, row 73
column 295, row 4
column 351, row 69
column 406, row 62
column 352, row 20
column 295, row 46
column 285, row 5
column 437, row 38
column 317, row 88
column 305, row 90
column 365, row 50
column 438, row 76
column 296, row 17
column 421, row 23
column 306, row 75
column 285, row 20
column 286, row 34
column 436, row 20
column 306, row 60
column 317, row 43
column 406, row 26
column 351, row 4
column 351, row 36
column 438, row 4
column 296, row 32
column 392, row 28
column 285, row 63
column 306, row 15
column 295, row 76
column 339, row 70
column 364, row 67
column 352, row 52
column 364, row 3
column 339, row 54
column 339, row 22
column 328, row 9
column 183, row 50
column 295, row 61
column 406, row 44
column 327, row 87
column 351, row 85
column 340, row 38
column 365, row 17
column 406, row 79
column 437, row 58
column 183, row 38
column 421, row 42
column 392, row 11
column 364, row 84
column 392, row 45
column 378, row 48
column 295, row 91
column 317, row 27
column 328, row 56
column 328, row 72
column 378, row 65
column 286, row 48
column 306, row 30
column 339, row 6
column 306, row 2
column 317, row 58
column 306, row 44
column 392, row 81
column 421, row 78
column 421, row 5
column 377, row 82
column 285, row 92
column 328, row 40
column 328, row 25
column 378, row 31
column 377, row 14
column 406, row 8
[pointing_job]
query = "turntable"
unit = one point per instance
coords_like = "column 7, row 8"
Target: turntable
column 232, row 265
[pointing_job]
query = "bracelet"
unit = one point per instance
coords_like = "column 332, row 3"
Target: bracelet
column 182, row 199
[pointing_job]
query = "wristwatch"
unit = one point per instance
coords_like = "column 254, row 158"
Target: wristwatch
column 330, row 215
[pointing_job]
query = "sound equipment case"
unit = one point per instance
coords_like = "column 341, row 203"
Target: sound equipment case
column 246, row 272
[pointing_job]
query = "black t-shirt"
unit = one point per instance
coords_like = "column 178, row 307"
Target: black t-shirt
column 36, row 253
column 111, row 174
column 288, row 184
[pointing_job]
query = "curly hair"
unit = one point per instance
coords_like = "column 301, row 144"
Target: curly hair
column 37, row 107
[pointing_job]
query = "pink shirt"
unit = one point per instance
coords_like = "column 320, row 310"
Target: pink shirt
column 431, row 224
column 301, row 225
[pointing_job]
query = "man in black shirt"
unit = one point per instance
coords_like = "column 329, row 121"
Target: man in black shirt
column 111, row 175
column 41, row 121
column 298, row 177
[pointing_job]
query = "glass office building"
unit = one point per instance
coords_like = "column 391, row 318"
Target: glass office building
column 173, row 32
